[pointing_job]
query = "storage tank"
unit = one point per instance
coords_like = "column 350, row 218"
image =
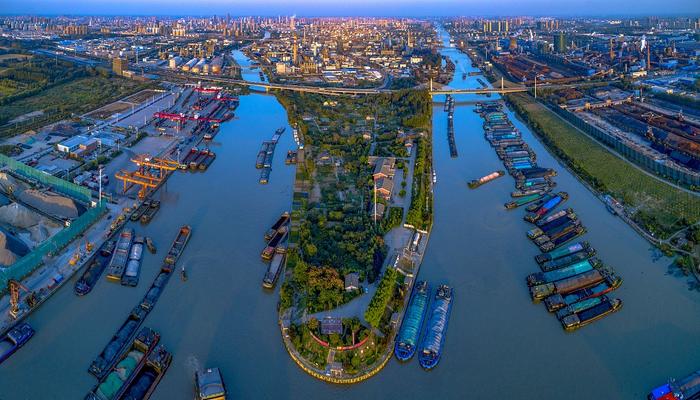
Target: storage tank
column 188, row 66
column 198, row 67
column 216, row 64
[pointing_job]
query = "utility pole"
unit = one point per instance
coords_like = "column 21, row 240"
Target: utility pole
column 99, row 183
column 375, row 204
column 535, row 85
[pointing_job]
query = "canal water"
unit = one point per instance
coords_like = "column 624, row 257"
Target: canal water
column 499, row 344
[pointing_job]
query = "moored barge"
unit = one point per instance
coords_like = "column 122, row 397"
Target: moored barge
column 133, row 266
column 113, row 385
column 585, row 317
column 407, row 338
column 14, row 339
column 563, row 252
column 94, row 269
column 273, row 271
column 434, row 338
column 558, row 301
column 281, row 221
column 120, row 256
column 568, row 285
column 539, row 278
column 149, row 376
column 274, row 243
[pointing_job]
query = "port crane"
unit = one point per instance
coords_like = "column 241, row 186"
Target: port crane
column 14, row 288
column 150, row 172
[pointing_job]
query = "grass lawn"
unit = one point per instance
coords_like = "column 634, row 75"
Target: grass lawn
column 662, row 208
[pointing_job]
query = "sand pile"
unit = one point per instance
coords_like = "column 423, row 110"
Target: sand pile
column 9, row 184
column 17, row 215
column 42, row 231
column 11, row 248
column 50, row 203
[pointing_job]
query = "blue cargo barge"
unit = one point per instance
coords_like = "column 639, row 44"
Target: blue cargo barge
column 434, row 338
column 406, row 341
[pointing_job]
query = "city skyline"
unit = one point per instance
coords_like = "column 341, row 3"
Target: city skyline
column 315, row 8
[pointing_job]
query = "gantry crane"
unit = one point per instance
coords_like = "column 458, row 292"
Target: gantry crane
column 145, row 176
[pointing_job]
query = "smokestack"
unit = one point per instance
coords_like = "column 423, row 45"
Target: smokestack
column 648, row 58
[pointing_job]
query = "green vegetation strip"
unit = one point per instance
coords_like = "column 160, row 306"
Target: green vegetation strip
column 381, row 298
column 660, row 208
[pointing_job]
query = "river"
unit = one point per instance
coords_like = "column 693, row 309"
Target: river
column 499, row 344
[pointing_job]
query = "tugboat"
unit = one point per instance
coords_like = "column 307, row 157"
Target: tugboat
column 149, row 244
column 183, row 274
column 14, row 339
column 434, row 339
column 209, row 385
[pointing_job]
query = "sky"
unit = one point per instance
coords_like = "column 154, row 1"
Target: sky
column 354, row 7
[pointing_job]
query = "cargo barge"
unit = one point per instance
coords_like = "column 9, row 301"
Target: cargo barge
column 523, row 201
column 151, row 212
column 176, row 249
column 585, row 317
column 434, row 338
column 149, row 376
column 541, row 278
column 136, row 215
column 113, row 385
column 523, row 193
column 555, row 233
column 563, row 252
column 567, row 285
column 567, row 260
column 561, row 219
column 687, row 388
column 260, row 159
column 264, row 176
column 580, row 306
column 291, row 157
column 14, row 339
column 546, row 207
column 94, row 270
column 273, row 271
column 282, row 221
column 485, row 179
column 133, row 266
column 209, row 385
column 108, row 356
column 117, row 264
column 563, row 239
column 557, row 301
column 274, row 243
column 407, row 338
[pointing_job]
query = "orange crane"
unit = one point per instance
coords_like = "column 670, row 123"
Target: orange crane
column 144, row 175
column 14, row 287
